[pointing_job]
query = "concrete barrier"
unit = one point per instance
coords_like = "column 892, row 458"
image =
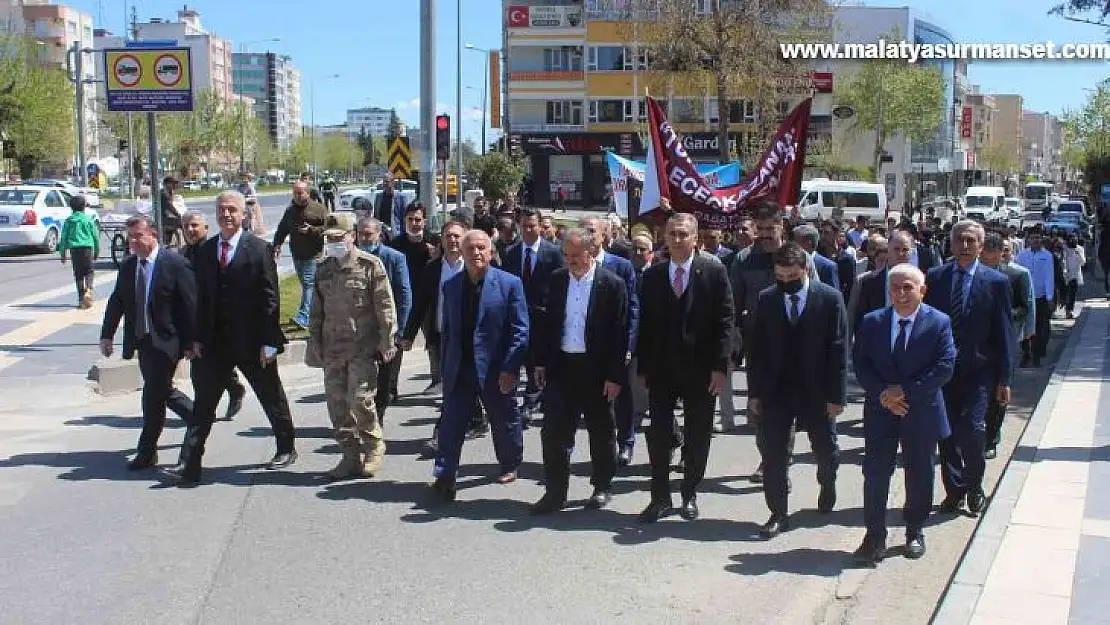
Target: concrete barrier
column 113, row 377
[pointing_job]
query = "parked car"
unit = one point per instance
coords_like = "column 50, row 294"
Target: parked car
column 33, row 215
column 92, row 196
column 370, row 194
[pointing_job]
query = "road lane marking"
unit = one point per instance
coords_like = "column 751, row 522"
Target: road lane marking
column 28, row 335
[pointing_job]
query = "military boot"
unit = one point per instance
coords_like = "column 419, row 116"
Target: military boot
column 349, row 465
column 375, row 456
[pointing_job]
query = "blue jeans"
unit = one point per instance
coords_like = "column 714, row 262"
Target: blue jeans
column 306, row 273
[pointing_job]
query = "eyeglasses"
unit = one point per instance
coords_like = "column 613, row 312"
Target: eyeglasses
column 905, row 288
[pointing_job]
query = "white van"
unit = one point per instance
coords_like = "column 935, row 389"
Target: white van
column 985, row 204
column 821, row 197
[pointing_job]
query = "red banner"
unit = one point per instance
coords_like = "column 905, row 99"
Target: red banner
column 671, row 174
column 965, row 123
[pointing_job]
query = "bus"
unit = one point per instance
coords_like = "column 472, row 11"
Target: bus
column 1037, row 195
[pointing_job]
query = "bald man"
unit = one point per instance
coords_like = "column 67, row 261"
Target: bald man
column 483, row 344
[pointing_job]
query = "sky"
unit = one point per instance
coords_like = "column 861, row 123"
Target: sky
column 374, row 46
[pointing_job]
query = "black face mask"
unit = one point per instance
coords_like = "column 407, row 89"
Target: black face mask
column 789, row 287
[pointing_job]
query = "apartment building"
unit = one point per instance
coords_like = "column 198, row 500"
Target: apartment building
column 211, row 54
column 1042, row 136
column 1007, row 133
column 977, row 125
column 56, row 28
column 373, row 120
column 274, row 84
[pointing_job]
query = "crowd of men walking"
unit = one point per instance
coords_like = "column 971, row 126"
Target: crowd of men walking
column 611, row 329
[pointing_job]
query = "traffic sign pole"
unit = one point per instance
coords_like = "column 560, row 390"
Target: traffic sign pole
column 152, row 167
column 428, row 103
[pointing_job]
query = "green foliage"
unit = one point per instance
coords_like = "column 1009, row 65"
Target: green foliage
column 496, row 174
column 36, row 108
column 394, row 124
column 894, row 97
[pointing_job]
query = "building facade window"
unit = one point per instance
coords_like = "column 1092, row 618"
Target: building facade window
column 612, row 111
column 565, row 59
column 739, row 111
column 609, row 59
column 564, row 112
column 688, row 110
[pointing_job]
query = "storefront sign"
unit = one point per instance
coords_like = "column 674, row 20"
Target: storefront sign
column 965, row 123
column 520, row 16
column 700, row 145
column 822, row 82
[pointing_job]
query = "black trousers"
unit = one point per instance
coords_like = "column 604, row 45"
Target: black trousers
column 776, row 437
column 180, row 404
column 697, row 432
column 961, row 454
column 82, row 263
column 1038, row 345
column 158, row 369
column 574, row 391
column 387, row 384
column 1071, row 289
column 329, row 200
column 210, row 377
column 996, row 415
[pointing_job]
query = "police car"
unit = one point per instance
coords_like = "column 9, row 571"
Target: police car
column 32, row 215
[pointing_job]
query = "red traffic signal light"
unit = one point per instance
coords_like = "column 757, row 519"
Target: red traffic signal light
column 443, row 137
column 443, row 122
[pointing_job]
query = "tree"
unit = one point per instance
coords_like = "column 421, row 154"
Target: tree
column 394, row 124
column 997, row 159
column 735, row 50
column 894, row 97
column 36, row 108
column 497, row 175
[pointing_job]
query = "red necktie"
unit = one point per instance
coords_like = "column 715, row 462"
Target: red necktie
column 224, row 247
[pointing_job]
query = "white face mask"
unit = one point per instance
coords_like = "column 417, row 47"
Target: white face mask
column 335, row 250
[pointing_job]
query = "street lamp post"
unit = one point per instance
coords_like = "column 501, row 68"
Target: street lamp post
column 485, row 93
column 243, row 48
column 312, row 121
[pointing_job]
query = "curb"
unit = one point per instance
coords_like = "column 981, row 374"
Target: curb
column 116, row 377
column 957, row 603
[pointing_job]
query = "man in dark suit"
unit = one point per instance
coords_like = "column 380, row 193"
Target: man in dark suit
column 830, row 247
column 627, row 423
column 195, row 227
column 870, row 293
column 710, row 239
column 532, row 259
column 683, row 347
column 580, row 353
column 798, row 316
column 396, row 267
column 903, row 357
column 483, row 346
column 826, row 270
column 420, row 247
column 155, row 295
column 238, row 327
column 977, row 299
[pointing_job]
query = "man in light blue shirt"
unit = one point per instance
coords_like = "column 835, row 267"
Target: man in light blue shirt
column 1042, row 268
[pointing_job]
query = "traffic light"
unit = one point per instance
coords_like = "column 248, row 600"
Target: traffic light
column 443, row 137
column 122, row 145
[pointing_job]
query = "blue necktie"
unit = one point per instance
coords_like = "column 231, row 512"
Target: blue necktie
column 526, row 274
column 899, row 352
column 957, row 309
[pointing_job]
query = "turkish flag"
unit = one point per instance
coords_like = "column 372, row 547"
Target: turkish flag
column 518, row 16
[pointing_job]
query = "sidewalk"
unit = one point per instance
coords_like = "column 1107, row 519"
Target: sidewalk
column 1041, row 553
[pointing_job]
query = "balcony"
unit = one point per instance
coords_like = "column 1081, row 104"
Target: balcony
column 549, row 76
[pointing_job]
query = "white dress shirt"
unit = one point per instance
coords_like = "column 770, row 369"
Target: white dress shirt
column 150, row 261
column 802, row 294
column 857, row 237
column 599, row 260
column 895, row 327
column 578, row 304
column 524, row 247
column 446, row 272
column 685, row 272
column 1041, row 266
column 233, row 244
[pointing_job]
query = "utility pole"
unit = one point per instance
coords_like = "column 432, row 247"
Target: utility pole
column 75, row 65
column 131, row 178
column 458, row 114
column 428, row 104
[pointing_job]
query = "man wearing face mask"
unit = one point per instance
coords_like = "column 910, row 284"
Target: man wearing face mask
column 798, row 314
column 354, row 328
column 396, row 267
column 749, row 276
column 303, row 224
column 420, row 247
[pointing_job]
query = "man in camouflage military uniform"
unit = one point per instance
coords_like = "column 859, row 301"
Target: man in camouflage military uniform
column 353, row 323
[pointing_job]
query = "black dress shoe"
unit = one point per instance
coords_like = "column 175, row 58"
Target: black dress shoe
column 690, row 509
column 234, row 403
column 774, row 526
column 870, row 553
column 444, row 489
column 757, row 476
column 282, row 460
column 915, row 546
column 951, row 504
column 599, row 499
column 990, row 453
column 143, row 461
column 826, row 501
column 655, row 511
column 976, row 501
column 624, row 458
column 547, row 504
column 184, row 475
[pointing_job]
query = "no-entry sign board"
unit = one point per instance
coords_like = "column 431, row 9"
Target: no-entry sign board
column 149, row 80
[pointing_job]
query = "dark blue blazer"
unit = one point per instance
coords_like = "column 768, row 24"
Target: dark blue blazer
column 501, row 329
column 986, row 344
column 930, row 361
column 627, row 272
column 827, row 271
column 549, row 258
column 397, row 268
